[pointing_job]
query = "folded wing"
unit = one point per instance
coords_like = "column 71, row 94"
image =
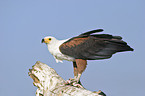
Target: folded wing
column 93, row 47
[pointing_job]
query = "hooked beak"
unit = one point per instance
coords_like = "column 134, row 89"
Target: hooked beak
column 42, row 41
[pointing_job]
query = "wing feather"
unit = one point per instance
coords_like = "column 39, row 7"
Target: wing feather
column 90, row 32
column 93, row 47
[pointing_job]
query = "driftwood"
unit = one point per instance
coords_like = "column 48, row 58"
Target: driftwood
column 49, row 83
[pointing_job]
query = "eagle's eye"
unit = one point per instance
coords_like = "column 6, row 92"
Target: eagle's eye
column 50, row 39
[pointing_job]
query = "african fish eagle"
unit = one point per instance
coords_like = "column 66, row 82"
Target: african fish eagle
column 86, row 46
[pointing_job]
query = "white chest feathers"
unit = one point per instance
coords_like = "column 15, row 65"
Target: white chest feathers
column 54, row 50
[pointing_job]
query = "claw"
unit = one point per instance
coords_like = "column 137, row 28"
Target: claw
column 77, row 85
column 73, row 82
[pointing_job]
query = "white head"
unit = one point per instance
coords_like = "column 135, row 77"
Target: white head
column 49, row 40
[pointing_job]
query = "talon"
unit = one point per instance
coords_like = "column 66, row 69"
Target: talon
column 73, row 82
column 77, row 85
column 70, row 81
column 67, row 82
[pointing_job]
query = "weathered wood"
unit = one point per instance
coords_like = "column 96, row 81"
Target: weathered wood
column 49, row 83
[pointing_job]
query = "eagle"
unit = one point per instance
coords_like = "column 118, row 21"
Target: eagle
column 86, row 46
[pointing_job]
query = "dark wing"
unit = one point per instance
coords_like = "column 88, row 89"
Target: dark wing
column 93, row 47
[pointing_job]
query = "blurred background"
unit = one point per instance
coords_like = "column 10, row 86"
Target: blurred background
column 23, row 23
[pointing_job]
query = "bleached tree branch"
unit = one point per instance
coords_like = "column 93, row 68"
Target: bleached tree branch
column 49, row 83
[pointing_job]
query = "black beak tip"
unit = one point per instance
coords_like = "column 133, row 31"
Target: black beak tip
column 42, row 41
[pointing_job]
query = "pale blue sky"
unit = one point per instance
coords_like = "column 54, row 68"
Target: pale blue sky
column 23, row 23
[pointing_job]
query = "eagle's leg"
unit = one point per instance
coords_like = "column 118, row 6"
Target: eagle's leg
column 81, row 66
column 75, row 70
column 75, row 79
column 76, row 75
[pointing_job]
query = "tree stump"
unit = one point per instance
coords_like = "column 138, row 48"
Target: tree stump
column 49, row 83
